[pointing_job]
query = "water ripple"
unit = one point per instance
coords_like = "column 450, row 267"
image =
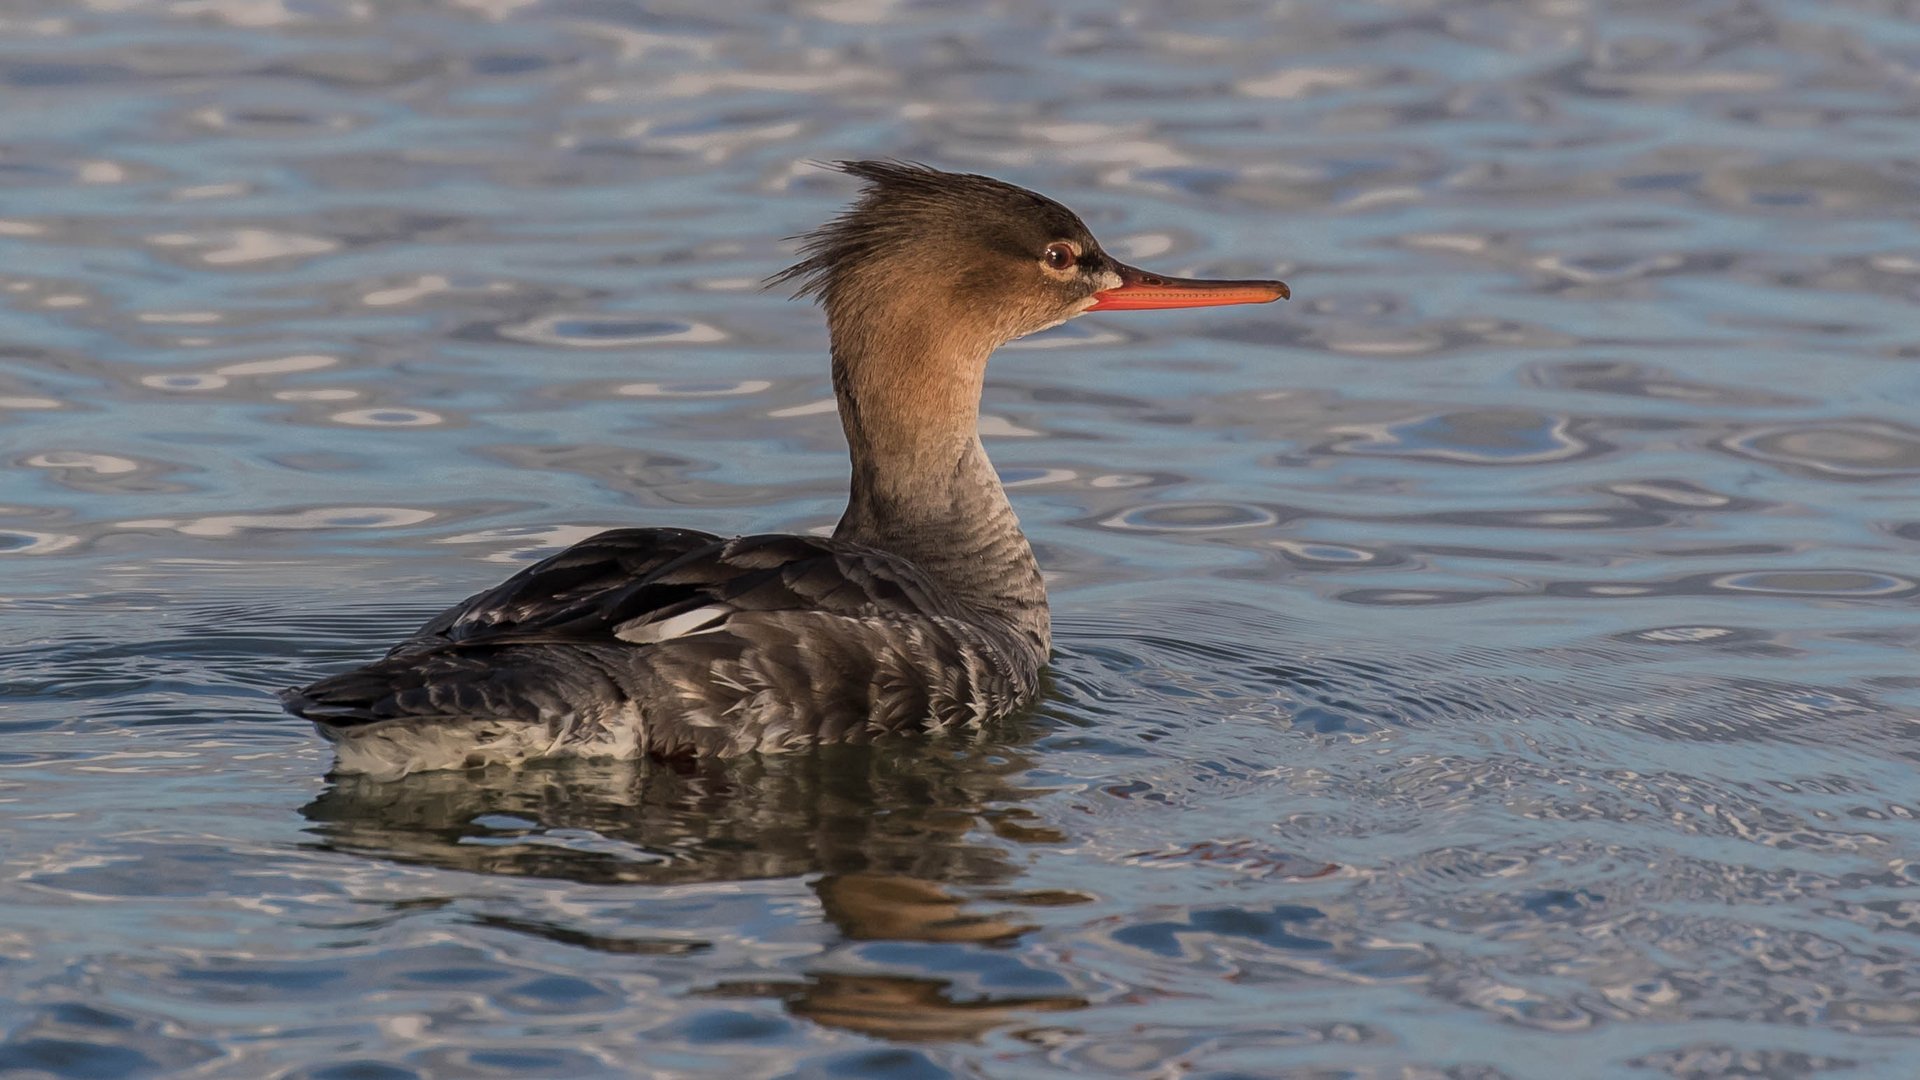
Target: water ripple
column 600, row 332
column 1869, row 450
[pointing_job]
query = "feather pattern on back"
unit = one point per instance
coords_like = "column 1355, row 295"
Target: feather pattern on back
column 797, row 640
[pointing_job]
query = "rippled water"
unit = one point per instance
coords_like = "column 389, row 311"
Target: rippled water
column 1497, row 662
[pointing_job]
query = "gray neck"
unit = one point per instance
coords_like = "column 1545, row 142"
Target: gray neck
column 927, row 493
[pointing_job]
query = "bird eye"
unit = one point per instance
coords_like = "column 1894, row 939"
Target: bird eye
column 1060, row 256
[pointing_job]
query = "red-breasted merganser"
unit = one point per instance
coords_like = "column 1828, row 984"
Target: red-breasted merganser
column 924, row 611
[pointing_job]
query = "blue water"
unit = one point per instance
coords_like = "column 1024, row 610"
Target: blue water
column 1499, row 661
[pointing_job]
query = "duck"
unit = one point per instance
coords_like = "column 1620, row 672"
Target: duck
column 924, row 610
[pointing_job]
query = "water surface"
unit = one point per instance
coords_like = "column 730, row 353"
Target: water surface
column 1499, row 661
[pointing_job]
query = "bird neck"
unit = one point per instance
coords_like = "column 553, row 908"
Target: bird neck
column 922, row 486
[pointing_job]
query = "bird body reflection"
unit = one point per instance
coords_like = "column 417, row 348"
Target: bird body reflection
column 903, row 846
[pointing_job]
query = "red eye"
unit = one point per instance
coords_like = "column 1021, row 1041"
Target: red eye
column 1060, row 256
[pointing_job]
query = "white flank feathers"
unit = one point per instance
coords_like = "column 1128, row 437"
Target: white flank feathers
column 701, row 620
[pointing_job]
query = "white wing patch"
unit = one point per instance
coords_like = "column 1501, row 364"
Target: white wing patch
column 701, row 620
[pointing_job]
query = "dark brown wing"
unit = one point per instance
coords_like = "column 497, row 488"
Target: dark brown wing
column 573, row 631
column 577, row 576
column 617, row 587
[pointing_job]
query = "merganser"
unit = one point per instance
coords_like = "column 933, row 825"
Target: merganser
column 924, row 611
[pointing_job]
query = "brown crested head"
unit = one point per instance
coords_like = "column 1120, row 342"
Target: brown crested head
column 980, row 255
column 954, row 246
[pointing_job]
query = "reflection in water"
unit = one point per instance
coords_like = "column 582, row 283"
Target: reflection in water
column 834, row 811
column 888, row 828
column 903, row 1008
column 893, row 907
